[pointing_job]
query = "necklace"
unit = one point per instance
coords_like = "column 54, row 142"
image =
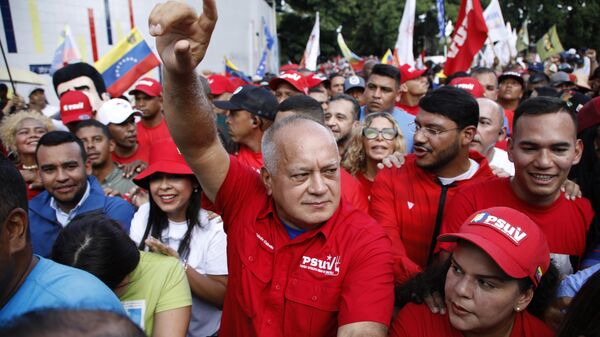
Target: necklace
column 30, row 167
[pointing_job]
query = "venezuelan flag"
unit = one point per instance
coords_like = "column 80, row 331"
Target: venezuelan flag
column 232, row 70
column 355, row 61
column 66, row 52
column 388, row 57
column 129, row 60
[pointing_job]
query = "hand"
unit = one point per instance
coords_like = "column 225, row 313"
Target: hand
column 435, row 302
column 182, row 37
column 109, row 192
column 554, row 314
column 499, row 172
column 571, row 189
column 133, row 168
column 159, row 247
column 395, row 159
column 137, row 196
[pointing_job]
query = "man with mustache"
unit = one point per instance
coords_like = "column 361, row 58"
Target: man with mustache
column 409, row 201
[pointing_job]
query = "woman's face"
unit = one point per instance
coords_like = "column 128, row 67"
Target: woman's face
column 27, row 134
column 479, row 296
column 171, row 192
column 378, row 148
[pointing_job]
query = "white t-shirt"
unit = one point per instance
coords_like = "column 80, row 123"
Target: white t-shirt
column 473, row 167
column 500, row 160
column 208, row 255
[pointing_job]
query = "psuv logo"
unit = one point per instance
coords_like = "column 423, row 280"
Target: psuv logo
column 70, row 107
column 146, row 83
column 294, row 77
column 329, row 266
column 515, row 234
column 466, row 86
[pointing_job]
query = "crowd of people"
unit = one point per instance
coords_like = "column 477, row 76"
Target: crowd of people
column 390, row 201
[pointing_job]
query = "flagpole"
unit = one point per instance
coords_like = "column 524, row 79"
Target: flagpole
column 12, row 83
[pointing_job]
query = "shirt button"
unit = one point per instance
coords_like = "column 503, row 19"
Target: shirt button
column 277, row 286
column 251, row 258
column 269, row 322
column 314, row 298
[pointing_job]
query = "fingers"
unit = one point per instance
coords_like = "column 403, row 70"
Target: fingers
column 164, row 17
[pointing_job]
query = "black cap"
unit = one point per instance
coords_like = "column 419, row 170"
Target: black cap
column 512, row 74
column 256, row 100
column 538, row 77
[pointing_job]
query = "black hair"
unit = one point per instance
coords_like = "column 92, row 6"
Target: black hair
column 74, row 70
column 352, row 100
column 458, row 74
column 55, row 138
column 303, row 105
column 386, row 70
column 481, row 71
column 93, row 123
column 71, row 323
column 158, row 220
column 583, row 315
column 542, row 105
column 13, row 193
column 333, row 75
column 546, row 91
column 453, row 103
column 97, row 244
column 316, row 89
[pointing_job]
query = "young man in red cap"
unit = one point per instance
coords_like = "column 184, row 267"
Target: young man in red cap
column 290, row 83
column 413, row 86
column 148, row 100
column 543, row 148
column 300, row 262
column 511, row 88
column 75, row 107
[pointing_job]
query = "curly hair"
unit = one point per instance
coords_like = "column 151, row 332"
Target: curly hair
column 10, row 123
column 355, row 158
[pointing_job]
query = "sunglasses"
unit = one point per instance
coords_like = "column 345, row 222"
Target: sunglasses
column 386, row 133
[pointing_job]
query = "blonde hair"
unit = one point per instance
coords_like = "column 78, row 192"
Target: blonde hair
column 355, row 158
column 10, row 123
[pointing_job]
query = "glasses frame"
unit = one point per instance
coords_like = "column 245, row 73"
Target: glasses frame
column 428, row 132
column 379, row 132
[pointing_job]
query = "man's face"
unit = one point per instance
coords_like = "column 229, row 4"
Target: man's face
column 417, row 87
column 489, row 82
column 241, row 125
column 489, row 129
column 148, row 105
column 340, row 120
column 322, row 98
column 306, row 184
column 543, row 149
column 37, row 99
column 63, row 173
column 336, row 85
column 510, row 90
column 381, row 93
column 124, row 134
column 83, row 83
column 284, row 91
column 97, row 146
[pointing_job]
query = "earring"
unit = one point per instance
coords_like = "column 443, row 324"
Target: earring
column 517, row 309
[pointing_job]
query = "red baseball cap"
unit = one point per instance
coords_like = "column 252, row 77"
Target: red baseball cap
column 148, row 86
column 407, row 73
column 237, row 82
column 315, row 79
column 219, row 84
column 75, row 106
column 510, row 238
column 470, row 85
column 588, row 115
column 164, row 158
column 294, row 78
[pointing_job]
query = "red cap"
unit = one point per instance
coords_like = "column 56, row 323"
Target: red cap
column 237, row 82
column 165, row 158
column 294, row 78
column 588, row 115
column 510, row 238
column 407, row 73
column 219, row 84
column 75, row 106
column 470, row 85
column 148, row 86
column 315, row 79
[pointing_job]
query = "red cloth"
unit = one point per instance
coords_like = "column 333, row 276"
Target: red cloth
column 469, row 35
column 565, row 223
column 249, row 158
column 405, row 202
column 148, row 136
column 416, row 320
column 352, row 191
column 413, row 110
column 142, row 153
column 366, row 184
column 333, row 275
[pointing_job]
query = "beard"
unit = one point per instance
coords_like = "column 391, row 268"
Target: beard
column 442, row 158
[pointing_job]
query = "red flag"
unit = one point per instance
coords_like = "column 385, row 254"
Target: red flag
column 469, row 36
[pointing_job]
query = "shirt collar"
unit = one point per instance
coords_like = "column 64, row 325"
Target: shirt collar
column 73, row 212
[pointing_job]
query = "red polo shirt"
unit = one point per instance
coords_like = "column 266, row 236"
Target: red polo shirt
column 565, row 223
column 249, row 158
column 406, row 201
column 142, row 153
column 334, row 275
column 413, row 110
column 353, row 192
column 148, row 136
column 416, row 320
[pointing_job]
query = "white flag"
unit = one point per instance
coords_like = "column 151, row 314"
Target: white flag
column 313, row 49
column 495, row 22
column 404, row 43
column 512, row 40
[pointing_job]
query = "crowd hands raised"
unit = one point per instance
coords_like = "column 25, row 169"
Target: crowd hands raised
column 382, row 201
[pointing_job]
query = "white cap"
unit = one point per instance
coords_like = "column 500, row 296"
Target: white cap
column 115, row 111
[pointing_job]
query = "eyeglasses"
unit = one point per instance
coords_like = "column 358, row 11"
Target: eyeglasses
column 428, row 132
column 386, row 133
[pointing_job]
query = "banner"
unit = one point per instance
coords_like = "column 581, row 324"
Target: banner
column 261, row 68
column 355, row 61
column 313, row 50
column 66, row 52
column 495, row 22
column 549, row 44
column 441, row 18
column 232, row 70
column 523, row 37
column 404, row 43
column 468, row 38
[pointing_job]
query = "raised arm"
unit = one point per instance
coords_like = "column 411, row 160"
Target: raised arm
column 182, row 38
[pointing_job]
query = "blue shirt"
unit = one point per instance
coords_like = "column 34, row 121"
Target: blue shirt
column 572, row 283
column 53, row 285
column 404, row 120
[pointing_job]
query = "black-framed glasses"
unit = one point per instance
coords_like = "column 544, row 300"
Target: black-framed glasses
column 386, row 133
column 428, row 132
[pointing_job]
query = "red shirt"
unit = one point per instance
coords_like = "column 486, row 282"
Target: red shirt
column 142, row 153
column 565, row 223
column 352, row 191
column 366, row 184
column 147, row 136
column 413, row 110
column 406, row 201
column 416, row 320
column 249, row 158
column 334, row 275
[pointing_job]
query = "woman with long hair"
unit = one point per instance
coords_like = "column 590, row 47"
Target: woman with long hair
column 379, row 137
column 173, row 223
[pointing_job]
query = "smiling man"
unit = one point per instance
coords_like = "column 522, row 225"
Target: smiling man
column 69, row 191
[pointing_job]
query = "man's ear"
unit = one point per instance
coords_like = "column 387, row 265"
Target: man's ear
column 468, row 133
column 88, row 167
column 502, row 134
column 267, row 180
column 15, row 227
column 111, row 146
column 510, row 146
